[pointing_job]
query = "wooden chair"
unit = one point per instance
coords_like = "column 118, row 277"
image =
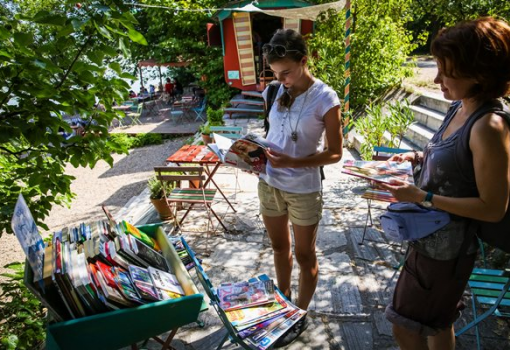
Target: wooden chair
column 489, row 288
column 191, row 196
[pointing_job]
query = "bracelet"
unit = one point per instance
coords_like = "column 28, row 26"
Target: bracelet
column 417, row 158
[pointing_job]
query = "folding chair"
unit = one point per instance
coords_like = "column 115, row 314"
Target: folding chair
column 380, row 153
column 232, row 333
column 191, row 196
column 200, row 109
column 488, row 287
column 135, row 117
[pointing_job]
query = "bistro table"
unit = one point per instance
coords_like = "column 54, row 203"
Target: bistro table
column 123, row 108
column 203, row 156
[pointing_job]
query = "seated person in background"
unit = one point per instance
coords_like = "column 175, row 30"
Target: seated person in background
column 178, row 87
column 169, row 87
column 132, row 94
column 152, row 90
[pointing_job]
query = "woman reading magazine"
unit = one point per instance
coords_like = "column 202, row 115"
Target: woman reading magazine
column 305, row 108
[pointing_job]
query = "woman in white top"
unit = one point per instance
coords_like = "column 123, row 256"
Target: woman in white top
column 304, row 109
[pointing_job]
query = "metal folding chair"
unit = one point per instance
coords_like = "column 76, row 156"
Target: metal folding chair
column 200, row 109
column 135, row 117
column 488, row 287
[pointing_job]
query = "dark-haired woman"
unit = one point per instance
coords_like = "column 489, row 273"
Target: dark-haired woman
column 469, row 180
column 305, row 108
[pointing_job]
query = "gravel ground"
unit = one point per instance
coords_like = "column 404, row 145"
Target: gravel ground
column 113, row 187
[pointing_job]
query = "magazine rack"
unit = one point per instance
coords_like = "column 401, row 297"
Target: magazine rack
column 214, row 302
column 119, row 328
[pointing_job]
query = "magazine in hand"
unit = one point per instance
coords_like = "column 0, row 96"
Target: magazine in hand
column 379, row 171
column 246, row 153
column 245, row 294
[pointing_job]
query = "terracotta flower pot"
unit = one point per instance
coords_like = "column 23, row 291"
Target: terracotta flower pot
column 160, row 205
column 207, row 139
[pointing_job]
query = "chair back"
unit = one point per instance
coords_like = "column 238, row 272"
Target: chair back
column 140, row 108
column 179, row 173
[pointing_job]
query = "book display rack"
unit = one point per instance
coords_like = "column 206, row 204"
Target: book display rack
column 127, row 326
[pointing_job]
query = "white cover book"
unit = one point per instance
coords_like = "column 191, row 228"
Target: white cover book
column 165, row 280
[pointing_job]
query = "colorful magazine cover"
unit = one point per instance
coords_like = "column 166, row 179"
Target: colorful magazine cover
column 265, row 340
column 379, row 171
column 245, row 318
column 25, row 229
column 377, row 194
column 246, row 153
column 245, row 294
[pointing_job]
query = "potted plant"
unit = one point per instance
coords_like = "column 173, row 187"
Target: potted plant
column 157, row 196
column 206, row 133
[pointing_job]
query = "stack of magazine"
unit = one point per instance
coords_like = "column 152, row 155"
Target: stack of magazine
column 258, row 311
column 94, row 267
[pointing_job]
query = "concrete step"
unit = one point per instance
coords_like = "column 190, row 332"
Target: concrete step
column 433, row 101
column 430, row 118
column 419, row 134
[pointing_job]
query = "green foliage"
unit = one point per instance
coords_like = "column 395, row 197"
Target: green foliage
column 205, row 129
column 430, row 16
column 215, row 116
column 55, row 61
column 374, row 125
column 379, row 47
column 372, row 128
column 147, row 139
column 399, row 120
column 23, row 325
column 156, row 188
column 139, row 140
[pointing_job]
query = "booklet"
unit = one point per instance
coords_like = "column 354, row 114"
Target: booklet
column 379, row 171
column 246, row 153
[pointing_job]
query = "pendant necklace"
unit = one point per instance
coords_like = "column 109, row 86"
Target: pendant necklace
column 294, row 134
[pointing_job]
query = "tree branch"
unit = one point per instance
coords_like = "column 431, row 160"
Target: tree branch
column 74, row 61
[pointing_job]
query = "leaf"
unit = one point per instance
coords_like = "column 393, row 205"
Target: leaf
column 103, row 31
column 5, row 54
column 23, row 39
column 45, row 17
column 127, row 76
column 137, row 37
column 4, row 33
column 123, row 47
column 116, row 67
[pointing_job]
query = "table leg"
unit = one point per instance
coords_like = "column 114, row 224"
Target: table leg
column 210, row 175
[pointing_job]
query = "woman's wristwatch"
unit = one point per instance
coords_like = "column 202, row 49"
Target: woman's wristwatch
column 427, row 202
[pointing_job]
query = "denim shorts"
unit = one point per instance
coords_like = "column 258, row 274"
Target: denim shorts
column 304, row 209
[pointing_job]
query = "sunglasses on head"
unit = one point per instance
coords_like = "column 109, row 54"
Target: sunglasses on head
column 279, row 50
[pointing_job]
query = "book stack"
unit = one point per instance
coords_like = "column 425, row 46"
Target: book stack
column 101, row 266
column 258, row 311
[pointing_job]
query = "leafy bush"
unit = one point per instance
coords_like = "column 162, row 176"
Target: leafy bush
column 24, row 326
column 215, row 116
column 379, row 47
column 372, row 128
column 401, row 116
column 141, row 140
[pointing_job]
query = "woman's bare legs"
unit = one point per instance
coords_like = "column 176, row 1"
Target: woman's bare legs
column 305, row 238
column 279, row 233
column 408, row 340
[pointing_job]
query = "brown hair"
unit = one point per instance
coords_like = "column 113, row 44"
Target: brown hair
column 478, row 49
column 291, row 40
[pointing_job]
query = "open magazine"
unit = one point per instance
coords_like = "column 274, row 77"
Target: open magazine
column 379, row 171
column 246, row 153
